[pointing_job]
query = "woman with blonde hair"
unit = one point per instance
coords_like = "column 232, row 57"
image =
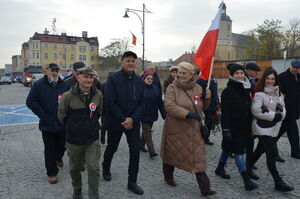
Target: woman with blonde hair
column 182, row 145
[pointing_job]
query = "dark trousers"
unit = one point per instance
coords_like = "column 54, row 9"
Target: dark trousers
column 54, row 149
column 249, row 144
column 133, row 140
column 146, row 137
column 208, row 123
column 291, row 128
column 202, row 178
column 266, row 144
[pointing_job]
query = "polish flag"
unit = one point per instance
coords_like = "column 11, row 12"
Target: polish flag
column 206, row 51
column 133, row 39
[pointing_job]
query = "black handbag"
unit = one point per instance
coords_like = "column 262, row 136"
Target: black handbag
column 204, row 132
column 265, row 123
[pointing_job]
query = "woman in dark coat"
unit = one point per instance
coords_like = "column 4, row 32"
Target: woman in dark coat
column 170, row 79
column 153, row 103
column 235, row 118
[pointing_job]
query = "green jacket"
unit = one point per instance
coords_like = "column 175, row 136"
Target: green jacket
column 81, row 121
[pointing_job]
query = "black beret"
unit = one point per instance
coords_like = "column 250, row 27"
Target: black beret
column 252, row 66
column 129, row 54
column 53, row 66
column 234, row 67
column 78, row 65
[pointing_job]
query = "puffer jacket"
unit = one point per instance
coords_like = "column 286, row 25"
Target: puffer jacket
column 269, row 98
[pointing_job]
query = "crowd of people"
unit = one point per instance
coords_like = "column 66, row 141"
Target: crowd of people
column 127, row 103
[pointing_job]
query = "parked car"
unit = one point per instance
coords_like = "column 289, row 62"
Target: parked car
column 5, row 80
column 36, row 77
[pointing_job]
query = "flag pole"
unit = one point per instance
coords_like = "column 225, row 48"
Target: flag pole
column 211, row 69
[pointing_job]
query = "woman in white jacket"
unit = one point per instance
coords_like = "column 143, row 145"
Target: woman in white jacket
column 268, row 110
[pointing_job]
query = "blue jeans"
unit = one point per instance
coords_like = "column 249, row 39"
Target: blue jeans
column 239, row 161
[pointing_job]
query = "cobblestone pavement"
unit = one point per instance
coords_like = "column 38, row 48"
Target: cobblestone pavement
column 23, row 176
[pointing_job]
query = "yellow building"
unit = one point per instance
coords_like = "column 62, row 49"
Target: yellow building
column 61, row 49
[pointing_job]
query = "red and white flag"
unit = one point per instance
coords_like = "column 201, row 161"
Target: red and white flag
column 133, row 39
column 206, row 51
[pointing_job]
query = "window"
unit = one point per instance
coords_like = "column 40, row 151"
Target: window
column 64, row 46
column 46, row 55
column 33, row 45
column 33, row 55
column 55, row 46
column 80, row 48
column 37, row 45
column 55, row 56
column 80, row 57
column 92, row 58
column 72, row 47
column 64, row 56
column 72, row 57
column 84, row 57
column 83, row 48
column 37, row 55
column 46, row 46
column 92, row 48
column 73, row 39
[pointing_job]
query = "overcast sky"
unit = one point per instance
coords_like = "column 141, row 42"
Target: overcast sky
column 174, row 27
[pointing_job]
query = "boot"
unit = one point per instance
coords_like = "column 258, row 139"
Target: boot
column 220, row 171
column 251, row 174
column 77, row 194
column 204, row 184
column 152, row 155
column 280, row 185
column 136, row 189
column 171, row 182
column 249, row 185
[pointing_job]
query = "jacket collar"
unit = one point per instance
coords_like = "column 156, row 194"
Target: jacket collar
column 60, row 81
column 129, row 76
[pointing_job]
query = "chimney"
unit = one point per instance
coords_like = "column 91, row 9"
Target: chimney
column 84, row 34
column 63, row 34
column 46, row 32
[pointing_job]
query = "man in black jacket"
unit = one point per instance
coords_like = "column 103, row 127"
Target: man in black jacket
column 124, row 105
column 79, row 111
column 289, row 82
column 43, row 100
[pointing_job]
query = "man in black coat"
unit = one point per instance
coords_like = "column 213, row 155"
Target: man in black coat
column 289, row 82
column 124, row 105
column 43, row 99
column 214, row 102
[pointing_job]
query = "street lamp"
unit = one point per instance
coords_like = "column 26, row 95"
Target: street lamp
column 142, row 23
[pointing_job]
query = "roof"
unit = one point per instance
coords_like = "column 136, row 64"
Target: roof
column 186, row 57
column 238, row 39
column 64, row 39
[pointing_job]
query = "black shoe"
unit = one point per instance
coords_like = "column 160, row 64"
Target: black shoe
column 152, row 155
column 143, row 149
column 209, row 142
column 296, row 155
column 283, row 187
column 77, row 194
column 279, row 159
column 249, row 185
column 252, row 175
column 136, row 189
column 220, row 171
column 106, row 175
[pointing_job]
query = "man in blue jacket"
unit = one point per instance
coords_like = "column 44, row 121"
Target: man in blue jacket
column 124, row 105
column 43, row 100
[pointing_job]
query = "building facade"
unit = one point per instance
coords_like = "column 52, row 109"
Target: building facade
column 16, row 63
column 61, row 49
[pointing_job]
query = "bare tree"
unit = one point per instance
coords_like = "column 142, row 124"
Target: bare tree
column 292, row 36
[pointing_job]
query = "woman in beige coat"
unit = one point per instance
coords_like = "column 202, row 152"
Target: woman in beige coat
column 182, row 145
column 268, row 110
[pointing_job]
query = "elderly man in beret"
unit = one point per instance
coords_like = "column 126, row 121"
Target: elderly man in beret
column 251, row 71
column 289, row 82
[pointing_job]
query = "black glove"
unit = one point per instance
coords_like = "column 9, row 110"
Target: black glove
column 264, row 109
column 227, row 136
column 279, row 108
column 194, row 116
column 277, row 117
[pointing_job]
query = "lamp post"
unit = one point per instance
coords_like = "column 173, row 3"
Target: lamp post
column 143, row 26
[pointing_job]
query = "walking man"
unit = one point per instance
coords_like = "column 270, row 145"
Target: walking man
column 124, row 105
column 289, row 82
column 79, row 111
column 43, row 100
